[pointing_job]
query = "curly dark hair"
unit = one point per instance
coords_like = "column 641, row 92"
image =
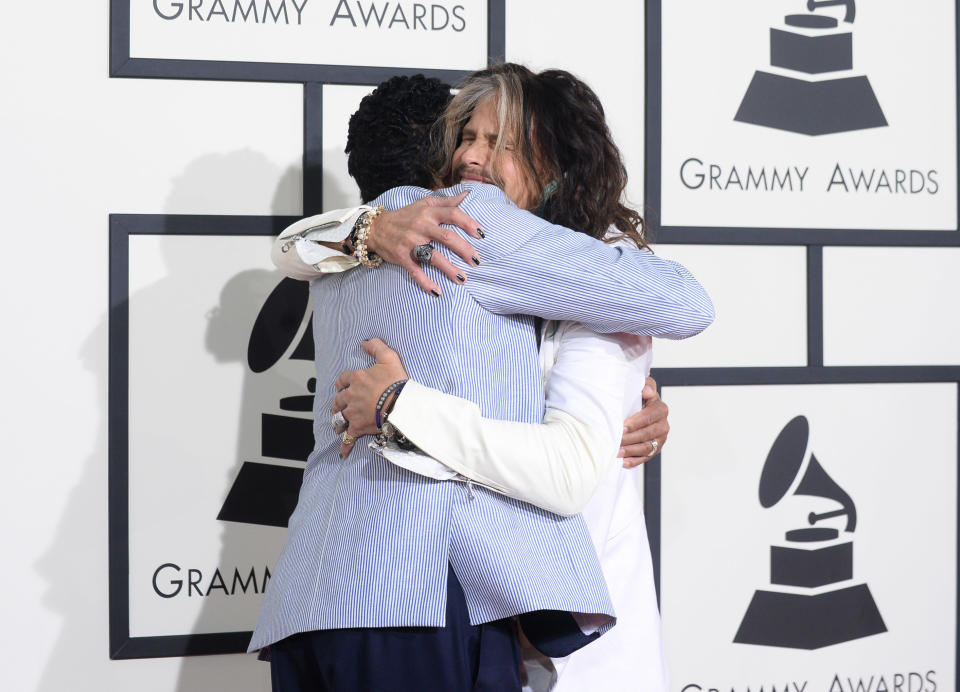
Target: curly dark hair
column 560, row 137
column 388, row 137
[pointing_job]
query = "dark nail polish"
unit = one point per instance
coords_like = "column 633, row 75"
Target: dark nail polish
column 475, row 260
column 435, row 293
column 481, row 233
column 461, row 277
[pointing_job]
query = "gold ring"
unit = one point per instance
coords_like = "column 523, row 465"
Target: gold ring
column 348, row 439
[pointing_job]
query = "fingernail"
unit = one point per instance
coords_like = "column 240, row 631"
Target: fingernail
column 481, row 233
column 461, row 277
column 435, row 292
column 621, row 453
column 475, row 260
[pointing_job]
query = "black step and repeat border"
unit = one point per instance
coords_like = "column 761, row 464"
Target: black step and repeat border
column 313, row 77
column 814, row 240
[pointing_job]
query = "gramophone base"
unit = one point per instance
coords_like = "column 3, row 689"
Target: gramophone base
column 811, row 567
column 810, row 108
column 796, row 621
column 811, row 54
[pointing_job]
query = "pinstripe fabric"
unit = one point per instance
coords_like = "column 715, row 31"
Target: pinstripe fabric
column 369, row 543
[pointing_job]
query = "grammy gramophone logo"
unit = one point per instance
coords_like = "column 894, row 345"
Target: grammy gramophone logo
column 813, row 601
column 266, row 493
column 813, row 89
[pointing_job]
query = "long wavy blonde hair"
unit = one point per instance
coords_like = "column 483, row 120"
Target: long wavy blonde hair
column 561, row 141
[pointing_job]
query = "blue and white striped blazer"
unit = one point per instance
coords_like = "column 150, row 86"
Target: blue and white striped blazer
column 369, row 543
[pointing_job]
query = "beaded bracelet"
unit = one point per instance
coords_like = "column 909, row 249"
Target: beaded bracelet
column 350, row 242
column 396, row 386
column 366, row 258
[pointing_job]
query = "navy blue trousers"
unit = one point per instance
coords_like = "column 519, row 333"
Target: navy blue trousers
column 457, row 658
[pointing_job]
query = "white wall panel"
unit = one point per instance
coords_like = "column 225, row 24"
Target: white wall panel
column 602, row 43
column 901, row 175
column 891, row 306
column 759, row 293
column 148, row 146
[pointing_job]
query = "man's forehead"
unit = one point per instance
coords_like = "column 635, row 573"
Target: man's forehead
column 483, row 120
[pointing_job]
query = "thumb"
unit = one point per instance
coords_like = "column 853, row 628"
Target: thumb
column 379, row 351
column 649, row 389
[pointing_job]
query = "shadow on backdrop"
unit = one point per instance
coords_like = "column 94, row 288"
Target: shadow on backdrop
column 62, row 564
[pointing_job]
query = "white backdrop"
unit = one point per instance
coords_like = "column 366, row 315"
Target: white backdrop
column 77, row 146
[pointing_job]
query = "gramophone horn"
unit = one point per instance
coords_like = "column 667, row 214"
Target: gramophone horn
column 817, row 483
column 277, row 324
column 784, row 461
column 782, row 468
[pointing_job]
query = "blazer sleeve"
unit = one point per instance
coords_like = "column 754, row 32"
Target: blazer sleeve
column 556, row 273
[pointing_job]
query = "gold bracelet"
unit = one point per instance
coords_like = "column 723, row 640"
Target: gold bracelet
column 367, row 259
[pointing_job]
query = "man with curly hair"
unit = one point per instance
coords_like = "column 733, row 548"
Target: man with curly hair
column 388, row 138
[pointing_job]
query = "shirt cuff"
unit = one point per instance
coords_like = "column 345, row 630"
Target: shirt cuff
column 413, row 407
column 329, row 227
column 323, row 258
column 414, row 461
